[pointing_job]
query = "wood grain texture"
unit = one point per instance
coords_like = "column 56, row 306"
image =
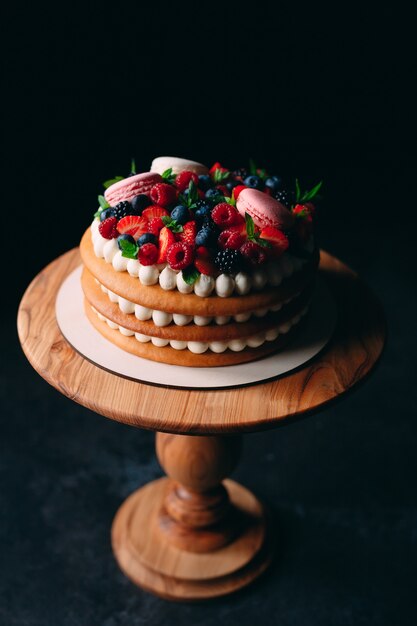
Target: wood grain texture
column 353, row 351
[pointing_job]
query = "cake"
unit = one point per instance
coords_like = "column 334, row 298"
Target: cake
column 200, row 267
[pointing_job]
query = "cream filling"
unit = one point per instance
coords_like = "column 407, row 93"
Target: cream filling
column 162, row 318
column 273, row 273
column 199, row 347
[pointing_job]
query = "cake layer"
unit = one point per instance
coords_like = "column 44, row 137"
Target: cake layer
column 186, row 358
column 190, row 332
column 154, row 297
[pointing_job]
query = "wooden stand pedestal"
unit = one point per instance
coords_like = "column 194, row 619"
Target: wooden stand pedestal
column 192, row 536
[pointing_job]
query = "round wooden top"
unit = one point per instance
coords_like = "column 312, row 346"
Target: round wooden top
column 353, row 351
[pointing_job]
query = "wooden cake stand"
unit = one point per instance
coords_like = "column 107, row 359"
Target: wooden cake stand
column 194, row 536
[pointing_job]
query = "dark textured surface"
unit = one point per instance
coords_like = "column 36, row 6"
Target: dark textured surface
column 308, row 93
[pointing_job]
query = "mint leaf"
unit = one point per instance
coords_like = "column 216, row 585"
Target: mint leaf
column 252, row 167
column 129, row 250
column 190, row 274
column 172, row 224
column 132, row 166
column 230, row 200
column 250, row 226
column 189, row 200
column 168, row 176
column 220, row 176
column 262, row 173
column 103, row 202
column 98, row 213
column 262, row 242
column 111, row 181
column 309, row 195
column 298, row 193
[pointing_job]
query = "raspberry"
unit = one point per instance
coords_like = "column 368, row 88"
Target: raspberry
column 183, row 180
column 232, row 239
column 253, row 253
column 228, row 261
column 224, row 215
column 163, row 194
column 108, row 229
column 148, row 254
column 155, row 225
column 180, row 255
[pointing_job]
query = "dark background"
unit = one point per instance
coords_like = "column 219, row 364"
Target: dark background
column 305, row 93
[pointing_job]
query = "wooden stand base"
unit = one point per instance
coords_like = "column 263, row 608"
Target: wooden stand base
column 148, row 558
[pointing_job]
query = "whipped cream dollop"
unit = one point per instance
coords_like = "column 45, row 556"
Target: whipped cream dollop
column 242, row 283
column 199, row 347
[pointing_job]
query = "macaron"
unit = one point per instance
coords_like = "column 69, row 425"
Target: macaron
column 128, row 188
column 160, row 164
column 264, row 210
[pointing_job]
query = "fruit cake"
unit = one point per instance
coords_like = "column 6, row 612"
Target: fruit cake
column 199, row 267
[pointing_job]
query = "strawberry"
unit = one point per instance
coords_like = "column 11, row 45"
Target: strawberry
column 225, row 215
column 155, row 225
column 232, row 239
column 163, row 194
column 305, row 211
column 154, row 211
column 148, row 254
column 253, row 253
column 133, row 225
column 237, row 190
column 276, row 237
column 166, row 239
column 183, row 180
column 203, row 261
column 189, row 231
column 215, row 167
column 108, row 228
column 180, row 255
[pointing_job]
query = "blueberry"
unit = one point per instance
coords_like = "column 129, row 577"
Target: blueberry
column 231, row 184
column 139, row 203
column 128, row 238
column 253, row 181
column 105, row 214
column 205, row 237
column 180, row 214
column 147, row 238
column 205, row 182
column 273, row 182
column 202, row 213
column 213, row 193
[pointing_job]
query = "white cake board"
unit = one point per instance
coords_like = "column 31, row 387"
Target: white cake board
column 85, row 339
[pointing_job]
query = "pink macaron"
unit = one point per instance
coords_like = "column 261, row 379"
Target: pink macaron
column 264, row 210
column 128, row 188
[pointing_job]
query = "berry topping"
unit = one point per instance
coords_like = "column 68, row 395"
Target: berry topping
column 253, row 253
column 284, row 197
column 134, row 225
column 155, row 225
column 166, row 239
column 304, row 210
column 214, row 194
column 139, row 203
column 228, row 261
column 225, row 215
column 180, row 255
column 154, row 211
column 204, row 182
column 180, row 214
column 183, row 180
column 121, row 209
column 105, row 214
column 203, row 261
column 276, row 237
column 241, row 173
column 237, row 190
column 205, row 237
column 273, row 183
column 232, row 239
column 108, row 228
column 188, row 233
column 163, row 194
column 148, row 254
column 123, row 238
column 147, row 238
column 253, row 181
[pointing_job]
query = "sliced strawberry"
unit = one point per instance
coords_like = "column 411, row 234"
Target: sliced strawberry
column 275, row 236
column 232, row 239
column 134, row 225
column 204, row 262
column 155, row 225
column 154, row 211
column 189, row 231
column 166, row 239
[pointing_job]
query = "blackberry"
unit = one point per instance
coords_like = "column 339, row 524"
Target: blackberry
column 121, row 209
column 240, row 173
column 285, row 197
column 228, row 261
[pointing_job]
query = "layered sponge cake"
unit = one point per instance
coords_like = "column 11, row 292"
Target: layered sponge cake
column 197, row 267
